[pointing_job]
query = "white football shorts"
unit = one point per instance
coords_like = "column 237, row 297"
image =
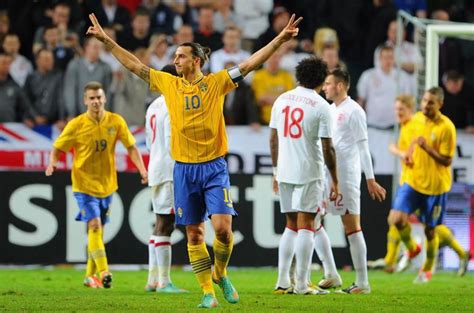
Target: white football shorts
column 162, row 198
column 348, row 200
column 302, row 198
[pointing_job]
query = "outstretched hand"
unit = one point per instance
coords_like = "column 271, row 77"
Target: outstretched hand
column 96, row 30
column 291, row 30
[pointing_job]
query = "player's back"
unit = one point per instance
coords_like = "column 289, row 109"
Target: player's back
column 348, row 128
column 301, row 117
column 158, row 134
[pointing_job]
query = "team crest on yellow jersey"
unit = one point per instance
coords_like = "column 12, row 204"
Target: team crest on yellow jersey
column 111, row 131
column 180, row 212
column 203, row 87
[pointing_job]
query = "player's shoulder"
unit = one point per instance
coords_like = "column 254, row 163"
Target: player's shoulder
column 351, row 106
column 447, row 123
column 114, row 118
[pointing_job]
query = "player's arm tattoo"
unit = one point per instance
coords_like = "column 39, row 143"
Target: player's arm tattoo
column 109, row 44
column 144, row 73
column 274, row 146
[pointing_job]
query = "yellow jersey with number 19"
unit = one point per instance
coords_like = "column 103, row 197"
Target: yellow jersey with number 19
column 196, row 114
column 93, row 143
column 428, row 176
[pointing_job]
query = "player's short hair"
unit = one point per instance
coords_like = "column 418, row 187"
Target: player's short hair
column 407, row 100
column 93, row 85
column 438, row 92
column 341, row 76
column 170, row 69
column 311, row 72
column 198, row 51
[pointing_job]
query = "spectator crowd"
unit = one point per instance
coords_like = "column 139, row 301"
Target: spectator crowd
column 46, row 59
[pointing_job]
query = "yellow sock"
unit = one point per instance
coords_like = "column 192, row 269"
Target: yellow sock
column 97, row 249
column 431, row 253
column 393, row 246
column 446, row 238
column 91, row 269
column 407, row 238
column 222, row 252
column 201, row 264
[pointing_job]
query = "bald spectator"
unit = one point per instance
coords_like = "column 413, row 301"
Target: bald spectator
column 458, row 100
column 377, row 90
column 14, row 105
column 205, row 34
column 20, row 67
column 44, row 89
column 82, row 70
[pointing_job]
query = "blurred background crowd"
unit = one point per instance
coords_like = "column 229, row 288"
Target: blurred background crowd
column 46, row 59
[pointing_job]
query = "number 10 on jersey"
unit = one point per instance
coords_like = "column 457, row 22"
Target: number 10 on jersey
column 293, row 119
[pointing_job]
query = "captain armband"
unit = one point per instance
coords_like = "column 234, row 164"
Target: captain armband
column 235, row 74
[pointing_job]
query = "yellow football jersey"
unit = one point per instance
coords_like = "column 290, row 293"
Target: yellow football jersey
column 428, row 176
column 93, row 143
column 263, row 82
column 196, row 114
column 406, row 136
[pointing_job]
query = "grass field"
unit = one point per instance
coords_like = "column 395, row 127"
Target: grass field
column 62, row 290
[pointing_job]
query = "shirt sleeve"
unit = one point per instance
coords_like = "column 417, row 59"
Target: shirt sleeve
column 447, row 146
column 67, row 138
column 325, row 123
column 358, row 125
column 226, row 84
column 125, row 135
column 160, row 81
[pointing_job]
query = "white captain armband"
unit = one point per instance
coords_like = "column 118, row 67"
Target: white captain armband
column 235, row 74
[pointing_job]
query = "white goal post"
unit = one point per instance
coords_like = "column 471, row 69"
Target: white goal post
column 427, row 35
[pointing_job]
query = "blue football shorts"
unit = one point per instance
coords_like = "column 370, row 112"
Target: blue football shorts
column 431, row 208
column 201, row 190
column 92, row 207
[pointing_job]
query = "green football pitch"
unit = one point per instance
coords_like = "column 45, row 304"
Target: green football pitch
column 62, row 290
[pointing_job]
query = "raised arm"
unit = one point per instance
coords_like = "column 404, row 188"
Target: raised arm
column 259, row 57
column 128, row 60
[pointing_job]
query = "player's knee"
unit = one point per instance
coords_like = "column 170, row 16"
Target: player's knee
column 223, row 234
column 429, row 233
column 94, row 224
